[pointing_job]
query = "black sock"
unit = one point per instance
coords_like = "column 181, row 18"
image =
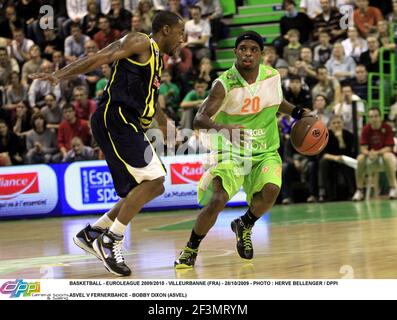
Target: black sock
column 195, row 240
column 249, row 219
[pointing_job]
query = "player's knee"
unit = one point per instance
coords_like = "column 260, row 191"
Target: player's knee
column 269, row 193
column 218, row 201
column 159, row 186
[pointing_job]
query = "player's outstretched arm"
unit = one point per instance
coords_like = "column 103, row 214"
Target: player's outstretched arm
column 133, row 43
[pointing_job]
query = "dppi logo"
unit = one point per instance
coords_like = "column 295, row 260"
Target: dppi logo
column 13, row 185
column 19, row 287
column 186, row 173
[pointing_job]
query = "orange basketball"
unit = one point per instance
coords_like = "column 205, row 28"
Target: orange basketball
column 309, row 136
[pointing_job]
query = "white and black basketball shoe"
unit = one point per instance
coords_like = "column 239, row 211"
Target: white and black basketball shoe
column 109, row 247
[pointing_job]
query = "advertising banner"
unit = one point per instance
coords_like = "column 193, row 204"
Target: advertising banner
column 27, row 190
column 87, row 187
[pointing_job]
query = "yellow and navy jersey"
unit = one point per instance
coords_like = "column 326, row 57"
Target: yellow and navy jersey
column 133, row 88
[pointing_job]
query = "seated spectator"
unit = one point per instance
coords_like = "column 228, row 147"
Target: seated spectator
column 79, row 152
column 22, row 123
column 345, row 108
column 40, row 88
column 197, row 35
column 180, row 66
column 17, row 93
column 32, row 65
column 326, row 86
column 136, row 24
column 370, row 58
column 28, row 11
column 323, row 51
column 106, row 35
column 340, row 66
column 71, row 127
column 10, row 23
column 68, row 85
column 366, row 17
column 270, row 58
column 11, row 146
column 298, row 172
column 91, row 19
column 76, row 10
column 305, row 67
column 58, row 60
column 191, row 102
column 146, row 12
column 376, row 154
column 171, row 94
column 213, row 12
column 336, row 180
column 296, row 95
column 41, row 142
column 52, row 112
column 329, row 21
column 120, row 18
column 83, row 106
column 20, row 46
column 292, row 50
column 51, row 42
column 7, row 66
column 320, row 109
column 93, row 76
column 206, row 71
column 359, row 83
column 74, row 44
column 101, row 84
column 293, row 20
column 354, row 45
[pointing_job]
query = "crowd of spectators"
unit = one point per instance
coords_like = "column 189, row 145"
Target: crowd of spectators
column 323, row 67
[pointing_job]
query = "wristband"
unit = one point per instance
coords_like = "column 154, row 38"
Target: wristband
column 297, row 113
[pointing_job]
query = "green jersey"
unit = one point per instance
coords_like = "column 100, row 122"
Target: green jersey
column 253, row 106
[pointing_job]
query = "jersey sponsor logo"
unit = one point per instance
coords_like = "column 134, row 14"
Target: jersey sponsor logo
column 258, row 132
column 186, row 173
column 13, row 185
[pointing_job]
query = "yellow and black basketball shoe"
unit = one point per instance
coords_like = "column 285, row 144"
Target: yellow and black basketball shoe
column 186, row 259
column 243, row 237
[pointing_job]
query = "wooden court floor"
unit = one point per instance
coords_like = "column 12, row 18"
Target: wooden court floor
column 333, row 240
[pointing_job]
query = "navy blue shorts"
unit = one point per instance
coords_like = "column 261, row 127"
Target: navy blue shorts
column 130, row 156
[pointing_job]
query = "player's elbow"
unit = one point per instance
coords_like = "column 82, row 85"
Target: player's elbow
column 197, row 121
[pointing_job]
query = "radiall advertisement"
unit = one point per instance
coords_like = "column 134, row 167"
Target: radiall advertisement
column 87, row 188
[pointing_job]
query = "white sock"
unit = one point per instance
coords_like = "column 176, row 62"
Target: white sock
column 103, row 222
column 118, row 228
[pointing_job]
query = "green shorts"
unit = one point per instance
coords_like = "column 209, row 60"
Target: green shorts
column 265, row 170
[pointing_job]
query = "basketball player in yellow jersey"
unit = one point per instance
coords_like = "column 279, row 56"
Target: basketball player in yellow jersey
column 125, row 112
column 246, row 96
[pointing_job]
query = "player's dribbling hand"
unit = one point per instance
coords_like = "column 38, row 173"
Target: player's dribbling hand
column 44, row 76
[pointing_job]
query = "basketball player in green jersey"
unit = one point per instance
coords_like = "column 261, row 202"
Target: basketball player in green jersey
column 246, row 98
